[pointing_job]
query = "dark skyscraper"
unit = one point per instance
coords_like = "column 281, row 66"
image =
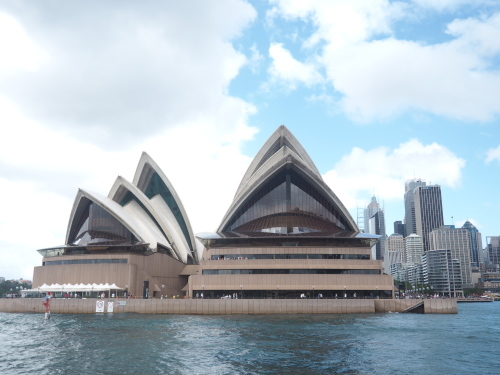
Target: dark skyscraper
column 399, row 227
column 428, row 211
column 476, row 243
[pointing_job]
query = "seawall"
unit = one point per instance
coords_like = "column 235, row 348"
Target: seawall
column 227, row 307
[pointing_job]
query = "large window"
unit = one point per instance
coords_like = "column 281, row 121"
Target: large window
column 287, row 204
column 96, row 226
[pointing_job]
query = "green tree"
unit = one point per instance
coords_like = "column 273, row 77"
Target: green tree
column 12, row 286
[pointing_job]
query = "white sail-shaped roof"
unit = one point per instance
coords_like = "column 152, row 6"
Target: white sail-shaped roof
column 282, row 151
column 147, row 211
column 280, row 138
column 168, row 202
column 120, row 193
column 133, row 218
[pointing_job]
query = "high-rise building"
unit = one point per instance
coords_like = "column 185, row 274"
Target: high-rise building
column 392, row 257
column 395, row 242
column 410, row 223
column 414, row 249
column 375, row 224
column 398, row 271
column 428, row 211
column 475, row 241
column 493, row 250
column 370, row 210
column 399, row 227
column 442, row 272
column 414, row 274
column 457, row 241
column 394, row 251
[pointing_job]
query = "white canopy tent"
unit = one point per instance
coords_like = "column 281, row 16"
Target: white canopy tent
column 71, row 288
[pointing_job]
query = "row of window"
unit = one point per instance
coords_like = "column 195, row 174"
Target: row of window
column 290, row 256
column 84, row 261
column 291, row 272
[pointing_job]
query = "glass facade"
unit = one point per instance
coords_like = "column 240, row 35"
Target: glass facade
column 281, row 271
column 96, row 226
column 83, row 261
column 157, row 186
column 294, row 294
column 290, row 256
column 287, row 204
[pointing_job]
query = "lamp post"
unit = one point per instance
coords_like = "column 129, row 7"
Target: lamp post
column 376, row 288
column 241, row 291
column 313, row 291
column 203, row 287
column 162, row 292
column 126, row 291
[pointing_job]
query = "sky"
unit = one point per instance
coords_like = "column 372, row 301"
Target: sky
column 376, row 91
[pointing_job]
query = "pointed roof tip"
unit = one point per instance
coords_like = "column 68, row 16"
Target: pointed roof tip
column 282, row 136
column 283, row 130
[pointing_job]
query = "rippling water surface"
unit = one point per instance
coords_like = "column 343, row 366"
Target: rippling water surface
column 466, row 343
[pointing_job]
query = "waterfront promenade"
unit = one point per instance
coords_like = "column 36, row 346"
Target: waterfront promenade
column 228, row 307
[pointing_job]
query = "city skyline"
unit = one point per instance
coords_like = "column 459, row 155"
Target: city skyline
column 378, row 92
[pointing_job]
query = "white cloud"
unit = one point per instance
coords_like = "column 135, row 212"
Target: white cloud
column 384, row 78
column 380, row 76
column 137, row 70
column 357, row 175
column 341, row 22
column 19, row 52
column 255, row 59
column 442, row 5
column 493, row 154
column 285, row 69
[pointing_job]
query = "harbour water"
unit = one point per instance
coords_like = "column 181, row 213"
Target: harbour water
column 463, row 343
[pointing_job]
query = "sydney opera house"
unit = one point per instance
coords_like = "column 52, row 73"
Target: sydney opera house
column 285, row 235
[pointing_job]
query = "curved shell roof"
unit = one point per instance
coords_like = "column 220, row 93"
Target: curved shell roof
column 141, row 227
column 128, row 195
column 280, row 138
column 282, row 150
column 149, row 208
column 151, row 180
